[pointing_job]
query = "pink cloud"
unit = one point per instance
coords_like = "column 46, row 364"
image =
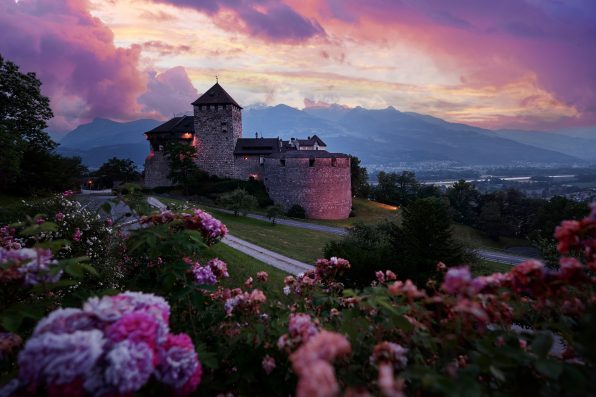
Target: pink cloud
column 270, row 20
column 74, row 56
column 491, row 43
column 168, row 93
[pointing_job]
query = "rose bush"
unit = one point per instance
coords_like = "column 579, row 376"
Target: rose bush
column 527, row 331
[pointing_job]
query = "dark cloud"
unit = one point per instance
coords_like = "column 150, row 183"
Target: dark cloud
column 73, row 54
column 270, row 20
column 165, row 48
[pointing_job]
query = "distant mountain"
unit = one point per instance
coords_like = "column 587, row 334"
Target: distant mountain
column 577, row 146
column 388, row 136
column 102, row 139
column 103, row 131
column 384, row 137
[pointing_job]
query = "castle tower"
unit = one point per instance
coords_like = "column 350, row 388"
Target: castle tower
column 218, row 125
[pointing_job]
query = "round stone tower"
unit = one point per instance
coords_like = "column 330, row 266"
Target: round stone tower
column 318, row 181
column 218, row 125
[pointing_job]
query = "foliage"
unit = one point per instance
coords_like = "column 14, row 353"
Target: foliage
column 527, row 331
column 464, row 201
column 274, row 212
column 183, row 169
column 359, row 178
column 365, row 247
column 296, row 211
column 24, row 112
column 425, row 238
column 239, row 201
column 396, row 189
column 116, row 170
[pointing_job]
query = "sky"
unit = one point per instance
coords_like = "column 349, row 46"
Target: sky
column 524, row 64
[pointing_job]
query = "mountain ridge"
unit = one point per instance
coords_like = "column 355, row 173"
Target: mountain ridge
column 377, row 136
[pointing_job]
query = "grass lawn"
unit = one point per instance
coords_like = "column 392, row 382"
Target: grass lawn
column 472, row 238
column 301, row 244
column 367, row 212
column 242, row 266
column 484, row 268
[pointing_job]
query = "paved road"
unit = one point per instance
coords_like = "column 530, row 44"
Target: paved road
column 271, row 258
column 121, row 214
column 501, row 257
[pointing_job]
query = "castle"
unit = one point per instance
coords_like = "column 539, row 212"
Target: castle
column 298, row 171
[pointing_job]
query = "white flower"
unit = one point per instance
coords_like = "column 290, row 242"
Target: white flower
column 287, row 290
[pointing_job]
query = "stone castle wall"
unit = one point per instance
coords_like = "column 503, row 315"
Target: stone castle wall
column 323, row 189
column 217, row 127
column 245, row 168
column 156, row 170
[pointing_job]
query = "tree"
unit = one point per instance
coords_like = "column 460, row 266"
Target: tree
column 464, row 201
column 359, row 178
column 24, row 113
column 490, row 219
column 115, row 169
column 274, row 212
column 424, row 239
column 238, row 201
column 181, row 160
column 396, row 189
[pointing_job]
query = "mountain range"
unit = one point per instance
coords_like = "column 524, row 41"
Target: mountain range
column 382, row 137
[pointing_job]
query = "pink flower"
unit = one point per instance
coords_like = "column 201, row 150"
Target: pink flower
column 408, row 289
column 390, row 276
column 268, row 364
column 262, row 276
column 109, row 222
column 380, row 277
column 457, row 280
column 77, row 235
column 136, row 327
column 40, row 220
column 67, row 193
column 59, row 217
column 389, row 352
column 248, row 282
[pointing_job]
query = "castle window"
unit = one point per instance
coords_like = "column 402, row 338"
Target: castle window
column 219, row 107
column 211, row 107
column 204, row 107
column 224, row 126
column 311, row 162
column 282, row 162
column 245, row 157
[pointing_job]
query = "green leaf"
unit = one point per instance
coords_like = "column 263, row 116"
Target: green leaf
column 542, row 343
column 549, row 368
column 11, row 322
column 497, row 373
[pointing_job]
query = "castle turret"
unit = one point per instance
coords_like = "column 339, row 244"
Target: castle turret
column 218, row 125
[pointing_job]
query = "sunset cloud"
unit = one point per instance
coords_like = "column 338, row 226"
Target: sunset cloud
column 73, row 54
column 513, row 63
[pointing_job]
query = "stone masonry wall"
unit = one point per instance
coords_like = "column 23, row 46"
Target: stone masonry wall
column 244, row 168
column 217, row 128
column 324, row 190
column 156, row 170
